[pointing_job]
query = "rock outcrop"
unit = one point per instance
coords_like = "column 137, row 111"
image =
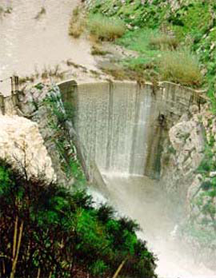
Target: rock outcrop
column 184, row 153
column 189, row 174
column 188, row 140
column 43, row 105
column 22, row 145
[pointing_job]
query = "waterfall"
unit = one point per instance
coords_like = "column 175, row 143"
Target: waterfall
column 114, row 124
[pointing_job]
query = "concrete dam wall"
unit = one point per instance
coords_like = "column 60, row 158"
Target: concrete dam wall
column 121, row 125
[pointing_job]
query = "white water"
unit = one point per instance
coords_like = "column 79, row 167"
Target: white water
column 115, row 126
column 27, row 44
column 141, row 199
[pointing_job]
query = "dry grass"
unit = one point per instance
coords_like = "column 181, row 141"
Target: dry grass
column 104, row 28
column 164, row 42
column 122, row 73
column 25, row 79
column 180, row 67
column 76, row 29
column 96, row 50
column 77, row 23
column 54, row 72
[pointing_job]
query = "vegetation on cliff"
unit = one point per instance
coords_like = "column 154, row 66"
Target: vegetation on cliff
column 48, row 231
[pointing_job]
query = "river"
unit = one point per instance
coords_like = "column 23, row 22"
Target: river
column 34, row 36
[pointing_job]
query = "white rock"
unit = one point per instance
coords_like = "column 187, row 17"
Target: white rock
column 22, row 145
column 212, row 174
column 214, row 128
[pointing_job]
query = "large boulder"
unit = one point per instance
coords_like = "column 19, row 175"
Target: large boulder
column 22, row 145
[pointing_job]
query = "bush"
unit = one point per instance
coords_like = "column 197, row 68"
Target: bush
column 180, row 67
column 104, row 28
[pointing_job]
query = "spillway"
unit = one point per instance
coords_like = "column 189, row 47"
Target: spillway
column 111, row 124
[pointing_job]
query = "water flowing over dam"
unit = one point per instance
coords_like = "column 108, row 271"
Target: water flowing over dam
column 121, row 127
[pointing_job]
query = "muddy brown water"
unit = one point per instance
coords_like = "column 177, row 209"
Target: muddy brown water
column 29, row 43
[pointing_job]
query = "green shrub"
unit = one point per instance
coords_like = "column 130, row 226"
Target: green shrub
column 104, row 28
column 98, row 267
column 139, row 40
column 1, row 10
column 5, row 11
column 40, row 13
column 180, row 67
column 139, row 64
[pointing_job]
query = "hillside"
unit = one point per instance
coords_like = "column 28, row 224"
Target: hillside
column 174, row 40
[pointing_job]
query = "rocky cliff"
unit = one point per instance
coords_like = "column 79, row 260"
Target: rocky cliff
column 189, row 176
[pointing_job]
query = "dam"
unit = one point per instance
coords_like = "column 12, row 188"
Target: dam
column 122, row 125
